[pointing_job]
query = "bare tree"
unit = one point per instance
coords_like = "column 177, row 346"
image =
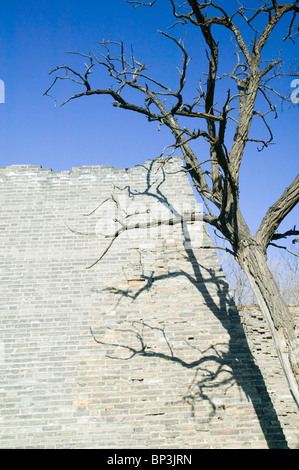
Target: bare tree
column 252, row 80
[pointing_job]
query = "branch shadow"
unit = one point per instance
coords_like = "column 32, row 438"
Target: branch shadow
column 239, row 359
column 199, row 386
column 236, row 365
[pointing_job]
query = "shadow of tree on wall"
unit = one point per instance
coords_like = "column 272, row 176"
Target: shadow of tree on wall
column 235, row 365
column 213, row 367
column 199, row 387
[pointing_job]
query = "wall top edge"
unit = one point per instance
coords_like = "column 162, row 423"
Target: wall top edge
column 84, row 168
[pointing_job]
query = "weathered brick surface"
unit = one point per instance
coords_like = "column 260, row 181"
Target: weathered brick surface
column 145, row 349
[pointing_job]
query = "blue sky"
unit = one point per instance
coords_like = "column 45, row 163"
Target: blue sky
column 34, row 39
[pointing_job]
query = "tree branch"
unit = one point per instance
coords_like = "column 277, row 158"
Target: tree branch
column 277, row 212
column 284, row 248
column 289, row 233
column 184, row 218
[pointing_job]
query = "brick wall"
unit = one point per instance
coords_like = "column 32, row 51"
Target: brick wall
column 143, row 350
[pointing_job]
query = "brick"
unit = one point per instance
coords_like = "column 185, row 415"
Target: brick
column 180, row 374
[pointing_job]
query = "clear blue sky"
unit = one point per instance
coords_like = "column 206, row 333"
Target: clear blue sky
column 34, row 39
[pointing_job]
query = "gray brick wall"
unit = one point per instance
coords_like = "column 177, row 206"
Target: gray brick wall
column 145, row 349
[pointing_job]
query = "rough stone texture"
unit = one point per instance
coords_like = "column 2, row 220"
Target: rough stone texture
column 143, row 350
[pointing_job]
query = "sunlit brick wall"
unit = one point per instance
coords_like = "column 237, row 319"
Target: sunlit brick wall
column 144, row 349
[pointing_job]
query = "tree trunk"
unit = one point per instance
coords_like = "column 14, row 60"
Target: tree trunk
column 252, row 259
